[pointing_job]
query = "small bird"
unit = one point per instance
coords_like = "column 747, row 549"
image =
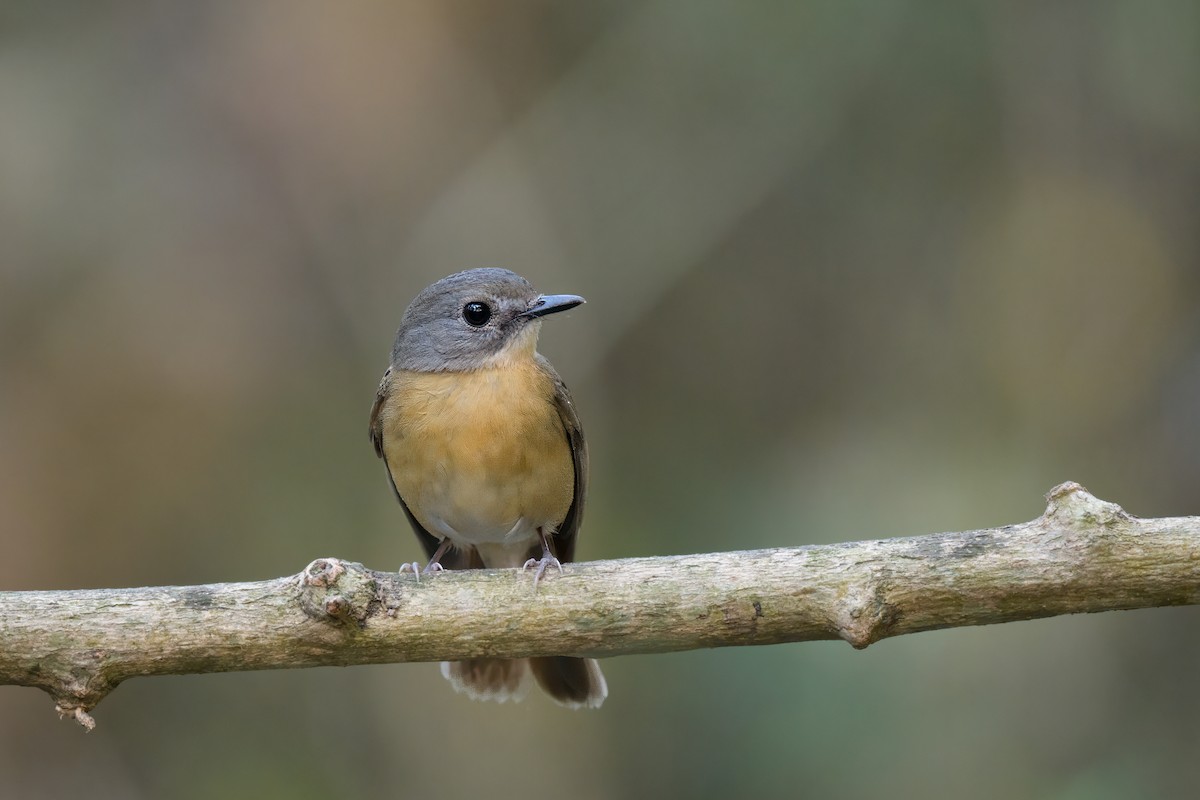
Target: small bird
column 484, row 450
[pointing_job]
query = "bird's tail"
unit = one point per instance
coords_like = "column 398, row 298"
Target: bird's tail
column 496, row 679
column 570, row 682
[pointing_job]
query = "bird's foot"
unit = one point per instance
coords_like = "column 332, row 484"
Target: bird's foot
column 432, row 567
column 542, row 564
column 414, row 567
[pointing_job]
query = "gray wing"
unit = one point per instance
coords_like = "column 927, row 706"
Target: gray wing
column 455, row 559
column 376, row 430
column 568, row 529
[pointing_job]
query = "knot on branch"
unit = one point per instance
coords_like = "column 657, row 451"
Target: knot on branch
column 76, row 677
column 1069, row 505
column 80, row 688
column 336, row 591
column 866, row 616
column 76, row 713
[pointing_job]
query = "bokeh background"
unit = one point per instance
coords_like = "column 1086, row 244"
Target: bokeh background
column 854, row 270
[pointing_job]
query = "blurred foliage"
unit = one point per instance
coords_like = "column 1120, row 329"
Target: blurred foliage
column 854, row 270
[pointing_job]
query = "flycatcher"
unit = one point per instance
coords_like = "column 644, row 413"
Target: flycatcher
column 485, row 453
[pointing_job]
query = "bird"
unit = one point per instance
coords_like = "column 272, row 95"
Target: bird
column 484, row 450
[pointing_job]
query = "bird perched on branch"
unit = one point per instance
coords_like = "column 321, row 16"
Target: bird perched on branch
column 485, row 453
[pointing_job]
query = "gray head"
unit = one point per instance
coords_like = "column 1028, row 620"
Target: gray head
column 472, row 319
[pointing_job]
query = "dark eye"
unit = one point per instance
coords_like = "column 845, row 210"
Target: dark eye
column 477, row 314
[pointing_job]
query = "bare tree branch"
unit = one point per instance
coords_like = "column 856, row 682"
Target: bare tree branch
column 1082, row 555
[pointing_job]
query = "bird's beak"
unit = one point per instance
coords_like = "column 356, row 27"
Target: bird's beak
column 553, row 303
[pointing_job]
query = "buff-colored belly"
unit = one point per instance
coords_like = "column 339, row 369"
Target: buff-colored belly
column 479, row 457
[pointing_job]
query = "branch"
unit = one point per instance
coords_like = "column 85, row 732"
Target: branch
column 1082, row 555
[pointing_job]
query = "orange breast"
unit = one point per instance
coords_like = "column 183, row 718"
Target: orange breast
column 479, row 457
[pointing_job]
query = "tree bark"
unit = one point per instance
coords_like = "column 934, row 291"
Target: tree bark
column 1081, row 555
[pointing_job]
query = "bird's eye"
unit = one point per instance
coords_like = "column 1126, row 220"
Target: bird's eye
column 477, row 314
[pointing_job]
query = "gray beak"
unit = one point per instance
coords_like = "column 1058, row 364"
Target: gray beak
column 553, row 303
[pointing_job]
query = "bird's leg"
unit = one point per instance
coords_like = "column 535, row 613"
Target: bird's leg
column 434, row 564
column 547, row 560
column 413, row 567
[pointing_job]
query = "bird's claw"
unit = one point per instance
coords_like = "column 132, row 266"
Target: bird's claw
column 415, row 568
column 541, row 564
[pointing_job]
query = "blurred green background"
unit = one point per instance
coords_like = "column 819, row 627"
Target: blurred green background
column 854, row 270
